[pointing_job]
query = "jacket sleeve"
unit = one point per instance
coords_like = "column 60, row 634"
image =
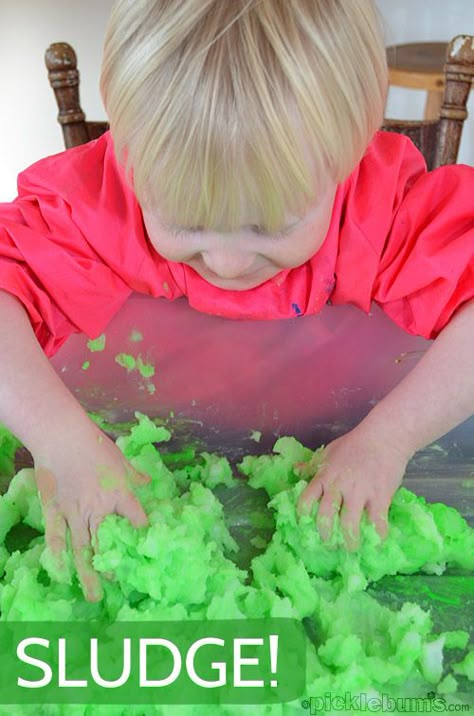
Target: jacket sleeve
column 426, row 267
column 57, row 249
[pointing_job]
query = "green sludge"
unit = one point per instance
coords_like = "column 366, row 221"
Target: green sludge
column 186, row 565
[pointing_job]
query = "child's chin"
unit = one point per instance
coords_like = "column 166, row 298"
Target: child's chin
column 243, row 283
column 236, row 284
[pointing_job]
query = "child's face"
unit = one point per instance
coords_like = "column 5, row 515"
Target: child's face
column 245, row 258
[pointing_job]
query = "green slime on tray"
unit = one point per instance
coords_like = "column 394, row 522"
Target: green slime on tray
column 97, row 344
column 355, row 644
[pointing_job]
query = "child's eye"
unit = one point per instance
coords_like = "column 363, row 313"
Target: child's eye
column 186, row 230
column 261, row 231
column 254, row 228
column 257, row 229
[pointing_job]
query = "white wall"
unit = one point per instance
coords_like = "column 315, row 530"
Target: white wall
column 28, row 129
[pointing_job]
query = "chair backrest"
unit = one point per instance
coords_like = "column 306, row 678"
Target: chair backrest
column 438, row 140
column 63, row 74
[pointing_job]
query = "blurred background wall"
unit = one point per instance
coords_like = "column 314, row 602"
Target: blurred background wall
column 28, row 130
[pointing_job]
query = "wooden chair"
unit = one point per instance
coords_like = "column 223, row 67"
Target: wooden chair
column 419, row 65
column 63, row 74
column 437, row 139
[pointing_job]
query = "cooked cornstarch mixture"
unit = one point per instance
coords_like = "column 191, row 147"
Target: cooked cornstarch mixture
column 185, row 565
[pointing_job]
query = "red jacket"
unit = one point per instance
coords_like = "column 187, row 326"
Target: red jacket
column 73, row 246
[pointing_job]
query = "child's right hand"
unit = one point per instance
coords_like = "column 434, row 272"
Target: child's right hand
column 80, row 481
column 81, row 476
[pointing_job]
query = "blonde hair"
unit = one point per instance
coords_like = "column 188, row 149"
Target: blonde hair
column 216, row 105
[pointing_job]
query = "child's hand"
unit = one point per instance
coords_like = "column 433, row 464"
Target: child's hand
column 80, row 482
column 360, row 471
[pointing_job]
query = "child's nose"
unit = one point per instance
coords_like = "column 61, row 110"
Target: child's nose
column 227, row 263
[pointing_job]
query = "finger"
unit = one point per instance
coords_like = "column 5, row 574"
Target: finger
column 94, row 523
column 83, row 553
column 47, row 486
column 55, row 536
column 309, row 496
column 329, row 506
column 378, row 514
column 55, row 530
column 128, row 506
column 138, row 478
column 303, row 469
column 350, row 516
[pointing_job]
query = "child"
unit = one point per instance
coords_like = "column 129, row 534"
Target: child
column 246, row 173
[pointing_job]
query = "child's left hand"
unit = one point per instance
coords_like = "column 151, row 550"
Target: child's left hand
column 360, row 470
